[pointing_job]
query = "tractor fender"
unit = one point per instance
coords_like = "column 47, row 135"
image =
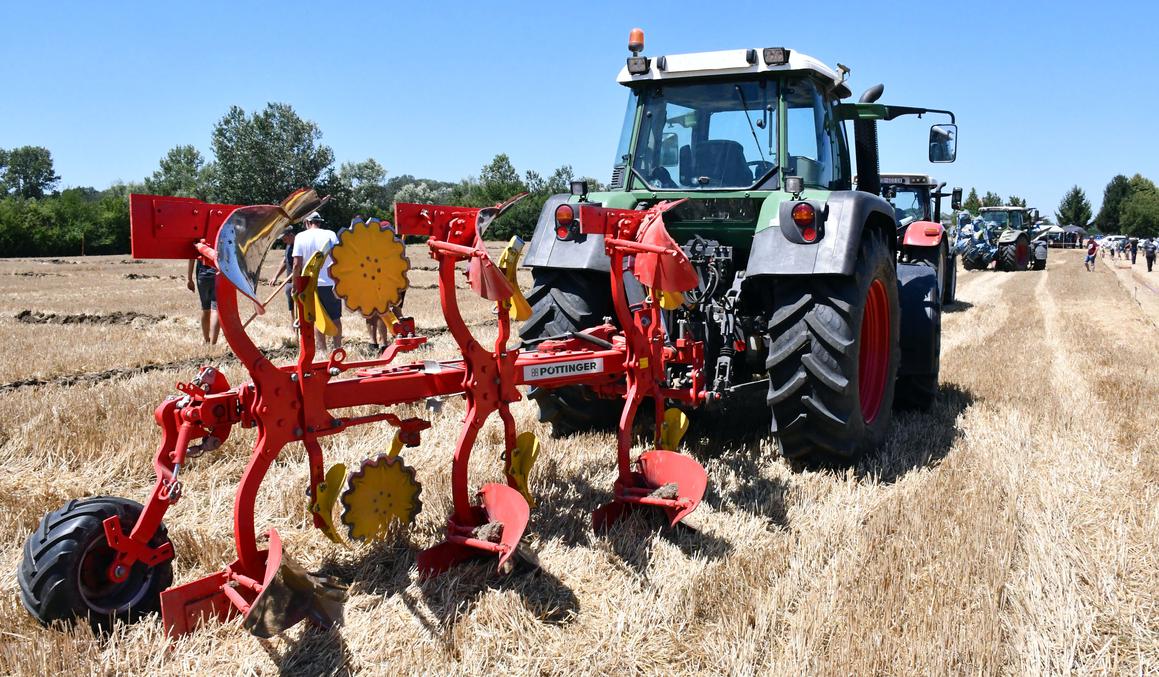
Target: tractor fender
column 1009, row 236
column 919, row 346
column 923, row 234
column 548, row 251
column 1040, row 249
column 848, row 213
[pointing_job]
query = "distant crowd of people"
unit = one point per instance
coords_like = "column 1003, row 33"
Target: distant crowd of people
column 1123, row 249
column 299, row 247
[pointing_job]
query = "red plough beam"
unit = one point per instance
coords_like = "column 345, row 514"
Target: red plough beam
column 298, row 402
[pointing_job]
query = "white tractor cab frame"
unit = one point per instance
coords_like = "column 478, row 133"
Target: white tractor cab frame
column 1021, row 242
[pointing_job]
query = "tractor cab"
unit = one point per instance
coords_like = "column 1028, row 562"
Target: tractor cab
column 917, row 197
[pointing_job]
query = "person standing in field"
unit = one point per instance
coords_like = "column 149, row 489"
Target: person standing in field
column 287, row 267
column 1134, row 250
column 1092, row 249
column 1149, row 253
column 205, row 286
column 308, row 242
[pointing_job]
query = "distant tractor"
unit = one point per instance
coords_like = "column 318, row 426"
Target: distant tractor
column 1007, row 235
column 917, row 201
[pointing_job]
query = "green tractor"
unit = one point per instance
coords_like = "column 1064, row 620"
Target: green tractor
column 1009, row 236
column 802, row 300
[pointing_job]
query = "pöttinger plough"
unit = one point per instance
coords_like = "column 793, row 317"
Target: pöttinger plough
column 110, row 559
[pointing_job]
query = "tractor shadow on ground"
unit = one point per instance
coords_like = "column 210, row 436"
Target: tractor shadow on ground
column 957, row 306
column 386, row 569
column 917, row 439
column 315, row 652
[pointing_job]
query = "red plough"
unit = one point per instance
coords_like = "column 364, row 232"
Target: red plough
column 298, row 403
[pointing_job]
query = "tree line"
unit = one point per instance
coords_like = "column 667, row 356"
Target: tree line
column 257, row 158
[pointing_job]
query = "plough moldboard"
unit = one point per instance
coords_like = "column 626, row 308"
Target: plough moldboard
column 119, row 571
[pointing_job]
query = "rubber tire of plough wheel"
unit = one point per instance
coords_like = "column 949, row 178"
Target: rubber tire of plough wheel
column 1038, row 264
column 1008, row 255
column 55, row 562
column 968, row 264
column 813, row 359
column 921, row 337
column 563, row 301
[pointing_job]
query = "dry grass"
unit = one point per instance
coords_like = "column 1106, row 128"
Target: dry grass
column 1012, row 529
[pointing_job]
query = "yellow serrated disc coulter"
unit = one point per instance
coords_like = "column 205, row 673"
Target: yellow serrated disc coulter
column 519, row 462
column 370, row 268
column 520, row 309
column 383, row 492
column 325, row 496
column 673, row 428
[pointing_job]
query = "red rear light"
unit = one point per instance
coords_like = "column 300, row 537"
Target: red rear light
column 562, row 232
column 809, row 234
column 803, row 215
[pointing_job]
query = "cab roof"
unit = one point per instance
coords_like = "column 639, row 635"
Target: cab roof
column 731, row 62
column 908, row 179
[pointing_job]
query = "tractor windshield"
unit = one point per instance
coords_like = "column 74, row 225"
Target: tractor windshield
column 707, row 135
column 912, row 202
column 995, row 219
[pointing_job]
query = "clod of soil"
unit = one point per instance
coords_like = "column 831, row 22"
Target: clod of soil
column 118, row 317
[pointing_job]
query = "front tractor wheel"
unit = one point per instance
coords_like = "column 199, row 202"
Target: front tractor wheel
column 833, row 358
column 64, row 573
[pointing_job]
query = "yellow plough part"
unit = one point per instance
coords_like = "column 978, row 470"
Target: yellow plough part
column 312, row 309
column 370, row 268
column 519, row 462
column 518, row 306
column 383, row 492
column 673, row 428
column 325, row 496
column 669, row 300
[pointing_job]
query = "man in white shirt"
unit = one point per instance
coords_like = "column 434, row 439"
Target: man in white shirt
column 315, row 239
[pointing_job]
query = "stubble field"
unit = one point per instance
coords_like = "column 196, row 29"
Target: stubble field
column 1014, row 528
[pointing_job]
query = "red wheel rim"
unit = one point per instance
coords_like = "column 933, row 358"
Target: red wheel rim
column 873, row 356
column 1022, row 253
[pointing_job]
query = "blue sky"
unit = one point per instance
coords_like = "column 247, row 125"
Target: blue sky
column 1048, row 94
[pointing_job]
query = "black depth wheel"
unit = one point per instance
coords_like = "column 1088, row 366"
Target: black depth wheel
column 64, row 573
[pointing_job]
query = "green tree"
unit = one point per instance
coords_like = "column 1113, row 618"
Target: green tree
column 182, row 173
column 991, row 199
column 1015, row 201
column 1140, row 214
column 262, row 158
column 1074, row 209
column 972, row 203
column 1114, row 195
column 28, row 172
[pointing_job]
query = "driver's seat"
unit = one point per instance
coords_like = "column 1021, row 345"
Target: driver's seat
column 723, row 162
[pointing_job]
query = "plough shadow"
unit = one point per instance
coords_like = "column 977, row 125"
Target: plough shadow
column 386, row 569
column 316, row 652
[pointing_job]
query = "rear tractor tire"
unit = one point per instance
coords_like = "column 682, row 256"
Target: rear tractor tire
column 1014, row 255
column 833, row 358
column 921, row 338
column 564, row 301
column 64, row 573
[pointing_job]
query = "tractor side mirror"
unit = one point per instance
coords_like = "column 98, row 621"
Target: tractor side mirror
column 956, row 199
column 669, row 150
column 943, row 143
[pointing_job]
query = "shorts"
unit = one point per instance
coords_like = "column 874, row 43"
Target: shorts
column 1090, row 258
column 330, row 302
column 207, row 291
